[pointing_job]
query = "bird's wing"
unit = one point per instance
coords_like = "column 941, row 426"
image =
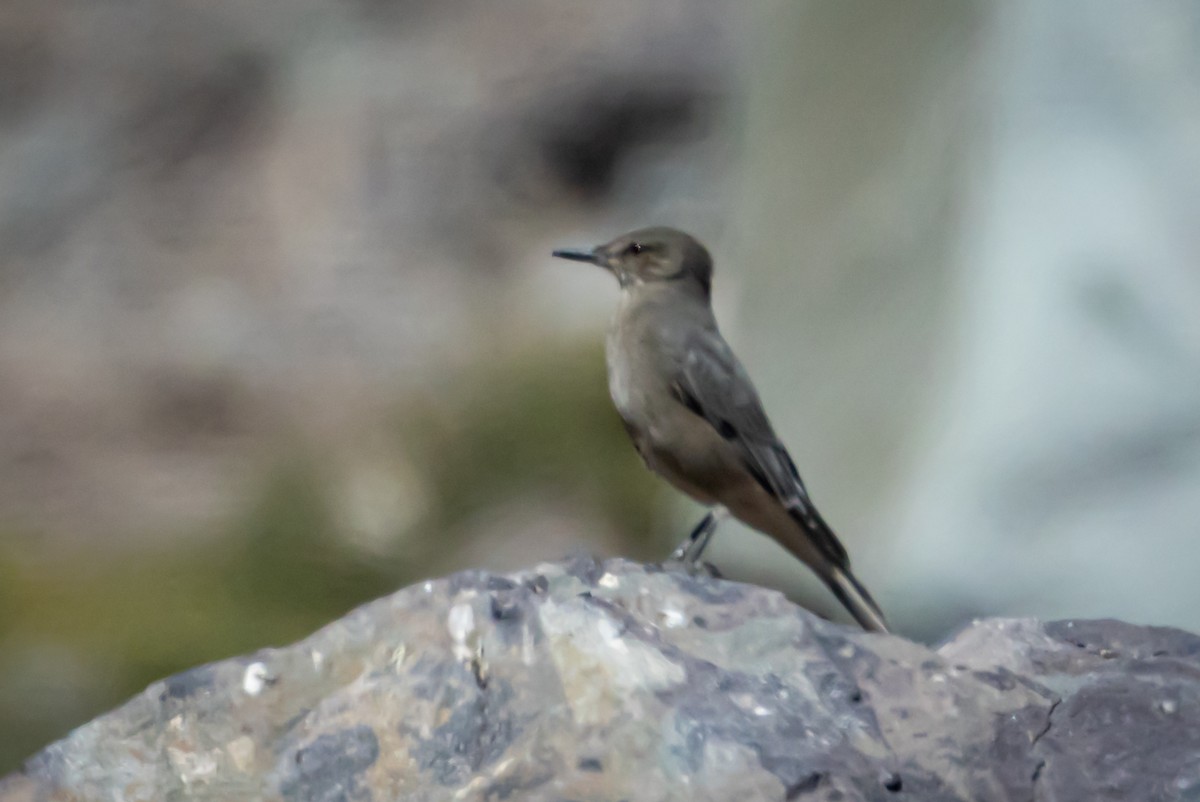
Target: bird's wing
column 712, row 383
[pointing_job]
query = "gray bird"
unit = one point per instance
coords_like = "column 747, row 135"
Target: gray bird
column 694, row 415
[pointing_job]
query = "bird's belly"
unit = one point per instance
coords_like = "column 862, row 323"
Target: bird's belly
column 675, row 443
column 686, row 451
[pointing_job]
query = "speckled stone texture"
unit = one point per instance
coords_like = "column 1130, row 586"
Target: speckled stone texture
column 614, row 681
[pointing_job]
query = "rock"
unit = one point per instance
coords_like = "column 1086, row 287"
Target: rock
column 588, row 680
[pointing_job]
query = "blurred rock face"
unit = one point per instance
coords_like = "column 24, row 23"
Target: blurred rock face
column 981, row 338
column 229, row 225
column 1068, row 434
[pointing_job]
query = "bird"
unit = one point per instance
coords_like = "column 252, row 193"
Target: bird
column 694, row 415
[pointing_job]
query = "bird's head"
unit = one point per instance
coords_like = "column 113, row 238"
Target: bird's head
column 651, row 255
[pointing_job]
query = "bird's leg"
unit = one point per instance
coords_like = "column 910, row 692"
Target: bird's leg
column 690, row 550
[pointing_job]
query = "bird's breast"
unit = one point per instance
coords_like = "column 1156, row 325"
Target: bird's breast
column 628, row 375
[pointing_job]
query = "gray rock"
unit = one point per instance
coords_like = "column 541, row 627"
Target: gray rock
column 590, row 680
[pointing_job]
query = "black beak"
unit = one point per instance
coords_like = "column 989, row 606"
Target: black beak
column 578, row 256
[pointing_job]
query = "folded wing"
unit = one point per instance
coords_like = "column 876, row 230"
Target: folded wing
column 713, row 384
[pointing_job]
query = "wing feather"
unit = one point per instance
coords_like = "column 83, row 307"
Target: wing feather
column 713, row 384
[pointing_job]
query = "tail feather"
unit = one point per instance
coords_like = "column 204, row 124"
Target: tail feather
column 855, row 598
column 836, row 571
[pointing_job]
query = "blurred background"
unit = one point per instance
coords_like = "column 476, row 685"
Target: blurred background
column 279, row 330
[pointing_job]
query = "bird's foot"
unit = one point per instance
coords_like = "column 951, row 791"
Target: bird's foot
column 693, row 546
column 694, row 568
column 680, row 554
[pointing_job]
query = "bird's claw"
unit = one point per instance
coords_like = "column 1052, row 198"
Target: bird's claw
column 693, row 568
column 680, row 554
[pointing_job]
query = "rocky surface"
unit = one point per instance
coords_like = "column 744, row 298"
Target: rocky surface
column 590, row 680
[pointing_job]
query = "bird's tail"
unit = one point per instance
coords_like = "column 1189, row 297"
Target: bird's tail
column 855, row 598
column 833, row 566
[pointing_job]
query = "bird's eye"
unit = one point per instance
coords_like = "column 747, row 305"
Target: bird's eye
column 634, row 248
